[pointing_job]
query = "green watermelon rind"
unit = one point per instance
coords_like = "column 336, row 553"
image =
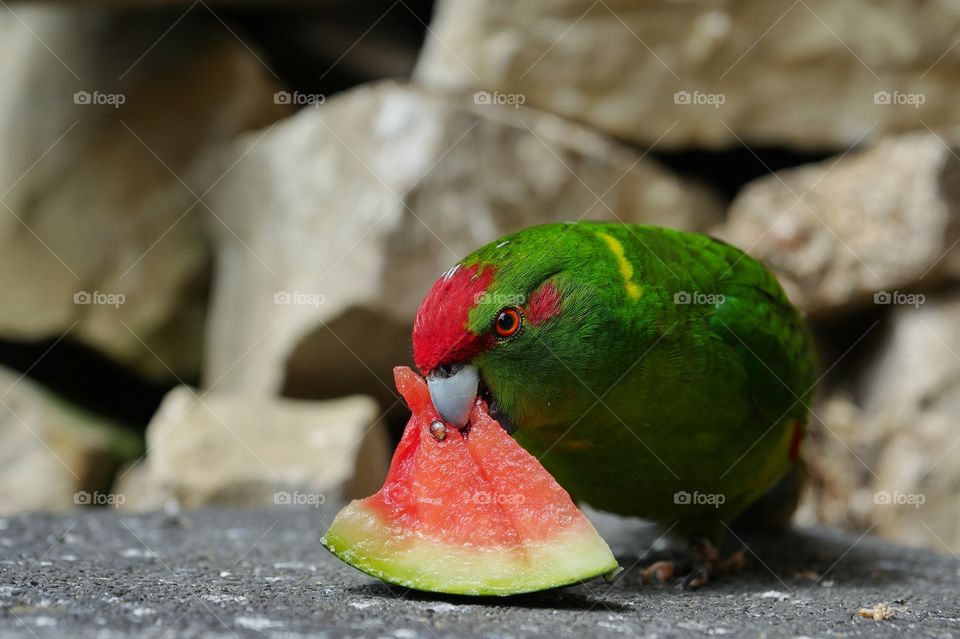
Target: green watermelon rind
column 360, row 538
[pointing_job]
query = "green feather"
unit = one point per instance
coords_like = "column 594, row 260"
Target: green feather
column 676, row 365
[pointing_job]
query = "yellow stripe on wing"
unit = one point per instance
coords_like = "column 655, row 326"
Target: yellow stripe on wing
column 625, row 267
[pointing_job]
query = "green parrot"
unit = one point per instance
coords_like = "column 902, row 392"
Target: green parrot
column 655, row 373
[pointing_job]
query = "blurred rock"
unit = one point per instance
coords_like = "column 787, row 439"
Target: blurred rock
column 812, row 75
column 840, row 454
column 99, row 237
column 139, row 492
column 52, row 455
column 339, row 219
column 876, row 221
column 893, row 458
column 226, row 448
column 913, row 390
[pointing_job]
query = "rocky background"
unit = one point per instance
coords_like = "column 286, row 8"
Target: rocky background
column 217, row 222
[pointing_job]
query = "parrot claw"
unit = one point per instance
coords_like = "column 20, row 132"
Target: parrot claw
column 704, row 561
column 697, row 577
column 707, row 564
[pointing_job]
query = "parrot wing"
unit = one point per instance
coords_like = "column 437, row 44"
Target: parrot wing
column 773, row 342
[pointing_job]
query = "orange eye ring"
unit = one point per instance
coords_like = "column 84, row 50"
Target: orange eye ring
column 507, row 322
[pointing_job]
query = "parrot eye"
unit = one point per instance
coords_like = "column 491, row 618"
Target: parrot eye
column 508, row 322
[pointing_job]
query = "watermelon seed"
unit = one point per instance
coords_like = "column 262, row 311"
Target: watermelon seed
column 439, row 430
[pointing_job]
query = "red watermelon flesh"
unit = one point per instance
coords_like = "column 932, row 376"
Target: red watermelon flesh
column 471, row 513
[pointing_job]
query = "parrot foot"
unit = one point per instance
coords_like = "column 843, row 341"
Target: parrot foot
column 702, row 561
column 706, row 563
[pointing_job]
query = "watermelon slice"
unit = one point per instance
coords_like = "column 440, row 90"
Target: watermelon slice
column 468, row 513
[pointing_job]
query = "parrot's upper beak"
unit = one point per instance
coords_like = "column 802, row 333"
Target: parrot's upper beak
column 453, row 390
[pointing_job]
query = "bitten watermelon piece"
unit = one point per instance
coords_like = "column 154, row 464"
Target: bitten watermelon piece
column 470, row 513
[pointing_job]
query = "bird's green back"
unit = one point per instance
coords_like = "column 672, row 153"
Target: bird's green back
column 677, row 364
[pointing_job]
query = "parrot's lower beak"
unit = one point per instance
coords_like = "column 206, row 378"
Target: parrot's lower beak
column 453, row 390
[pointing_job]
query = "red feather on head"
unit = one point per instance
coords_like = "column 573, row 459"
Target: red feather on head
column 441, row 334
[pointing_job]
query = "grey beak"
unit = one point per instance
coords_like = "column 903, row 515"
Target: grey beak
column 453, row 393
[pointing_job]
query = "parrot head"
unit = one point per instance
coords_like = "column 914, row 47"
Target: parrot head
column 509, row 324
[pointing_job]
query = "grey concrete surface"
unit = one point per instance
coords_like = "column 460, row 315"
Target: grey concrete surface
column 222, row 573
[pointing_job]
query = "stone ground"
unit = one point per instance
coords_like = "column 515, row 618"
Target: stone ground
column 228, row 573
